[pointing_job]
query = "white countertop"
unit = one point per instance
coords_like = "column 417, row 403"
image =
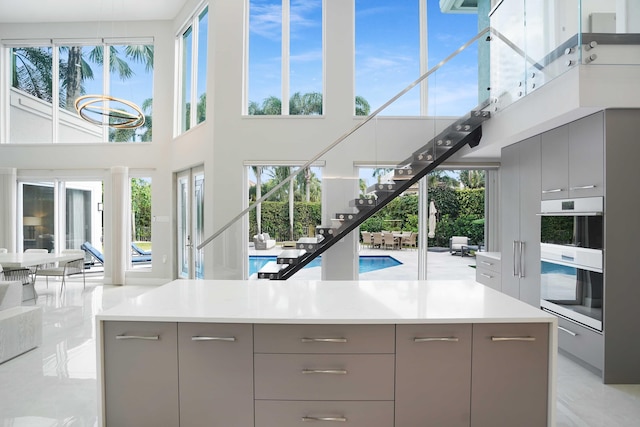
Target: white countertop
column 492, row 255
column 357, row 302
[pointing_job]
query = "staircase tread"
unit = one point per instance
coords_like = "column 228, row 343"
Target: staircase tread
column 272, row 267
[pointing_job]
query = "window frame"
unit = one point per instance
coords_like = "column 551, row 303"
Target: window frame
column 192, row 25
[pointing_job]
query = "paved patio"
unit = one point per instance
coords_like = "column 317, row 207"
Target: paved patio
column 440, row 265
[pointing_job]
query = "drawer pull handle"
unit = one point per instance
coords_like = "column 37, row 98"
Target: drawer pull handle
column 555, row 190
column 325, row 371
column 486, row 275
column 513, row 338
column 229, row 339
column 486, row 263
column 334, row 419
column 583, row 187
column 323, row 340
column 138, row 337
column 430, row 339
column 567, row 331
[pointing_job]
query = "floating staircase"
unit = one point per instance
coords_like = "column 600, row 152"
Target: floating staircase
column 466, row 130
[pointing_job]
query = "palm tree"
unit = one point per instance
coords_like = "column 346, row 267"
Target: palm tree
column 362, row 106
column 472, row 178
column 32, row 66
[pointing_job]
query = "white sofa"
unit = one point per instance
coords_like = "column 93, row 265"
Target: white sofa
column 20, row 326
column 263, row 241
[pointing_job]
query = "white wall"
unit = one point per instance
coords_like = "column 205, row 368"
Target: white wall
column 96, row 160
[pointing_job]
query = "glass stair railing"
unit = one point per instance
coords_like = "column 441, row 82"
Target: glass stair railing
column 466, row 130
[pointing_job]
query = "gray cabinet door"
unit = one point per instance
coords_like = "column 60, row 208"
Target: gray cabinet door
column 510, row 218
column 529, row 250
column 140, row 374
column 520, row 203
column 509, row 385
column 216, row 374
column 586, row 156
column 433, row 375
column 555, row 163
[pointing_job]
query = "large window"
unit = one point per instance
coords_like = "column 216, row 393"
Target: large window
column 193, row 71
column 387, row 53
column 285, row 57
column 80, row 70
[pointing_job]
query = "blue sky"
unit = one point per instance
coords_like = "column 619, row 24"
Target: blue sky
column 387, row 53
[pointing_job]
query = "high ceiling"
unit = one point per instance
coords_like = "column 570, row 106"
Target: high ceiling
column 35, row 11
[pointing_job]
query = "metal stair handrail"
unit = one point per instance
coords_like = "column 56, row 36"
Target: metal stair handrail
column 349, row 133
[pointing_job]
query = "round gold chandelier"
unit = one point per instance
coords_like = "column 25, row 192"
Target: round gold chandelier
column 95, row 108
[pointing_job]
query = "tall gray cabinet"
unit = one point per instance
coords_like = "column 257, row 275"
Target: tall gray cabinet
column 520, row 232
column 597, row 155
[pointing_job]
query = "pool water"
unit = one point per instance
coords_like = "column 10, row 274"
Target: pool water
column 367, row 262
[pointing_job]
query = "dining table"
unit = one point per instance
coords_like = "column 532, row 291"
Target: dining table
column 20, row 261
column 29, row 259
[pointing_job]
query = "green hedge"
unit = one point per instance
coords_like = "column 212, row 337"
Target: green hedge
column 460, row 213
column 275, row 220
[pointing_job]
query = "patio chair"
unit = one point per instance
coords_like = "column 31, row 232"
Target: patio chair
column 367, row 239
column 139, row 251
column 457, row 244
column 66, row 268
column 389, row 240
column 97, row 255
column 410, row 240
column 377, row 240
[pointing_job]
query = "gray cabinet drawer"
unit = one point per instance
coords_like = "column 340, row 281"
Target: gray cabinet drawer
column 489, row 278
column 487, row 263
column 581, row 342
column 324, row 338
column 324, row 376
column 298, row 413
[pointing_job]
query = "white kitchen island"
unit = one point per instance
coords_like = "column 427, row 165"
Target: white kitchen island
column 374, row 354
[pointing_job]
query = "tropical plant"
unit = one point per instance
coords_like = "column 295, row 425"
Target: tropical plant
column 472, row 178
column 308, row 104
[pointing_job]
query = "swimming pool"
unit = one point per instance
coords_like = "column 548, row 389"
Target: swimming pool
column 367, row 262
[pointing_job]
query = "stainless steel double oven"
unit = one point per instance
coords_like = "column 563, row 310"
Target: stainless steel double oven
column 571, row 251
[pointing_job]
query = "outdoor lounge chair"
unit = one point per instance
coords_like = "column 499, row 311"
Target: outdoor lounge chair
column 263, row 241
column 97, row 255
column 139, row 251
column 457, row 244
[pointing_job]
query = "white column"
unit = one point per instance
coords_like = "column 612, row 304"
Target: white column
column 117, row 247
column 8, row 197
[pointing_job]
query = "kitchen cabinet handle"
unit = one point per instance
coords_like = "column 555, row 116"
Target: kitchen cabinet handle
column 555, row 190
column 515, row 250
column 513, row 338
column 334, row 419
column 431, row 339
column 138, row 337
column 521, row 272
column 567, row 331
column 486, row 275
column 198, row 338
column 325, row 371
column 486, row 263
column 338, row 340
column 582, row 187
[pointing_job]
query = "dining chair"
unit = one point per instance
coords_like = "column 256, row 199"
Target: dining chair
column 367, row 239
column 65, row 268
column 389, row 240
column 377, row 240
